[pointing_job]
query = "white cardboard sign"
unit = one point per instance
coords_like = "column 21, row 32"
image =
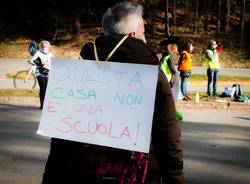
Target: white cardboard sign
column 110, row 106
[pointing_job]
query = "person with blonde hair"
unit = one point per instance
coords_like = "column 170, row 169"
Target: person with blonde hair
column 42, row 59
column 167, row 60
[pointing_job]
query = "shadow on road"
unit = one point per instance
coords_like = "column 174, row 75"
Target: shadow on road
column 216, row 146
column 23, row 152
column 216, row 153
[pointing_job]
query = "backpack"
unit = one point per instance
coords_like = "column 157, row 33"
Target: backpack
column 239, row 90
column 41, row 69
column 241, row 98
column 233, row 91
column 229, row 91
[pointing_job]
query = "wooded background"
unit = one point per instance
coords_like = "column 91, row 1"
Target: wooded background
column 226, row 20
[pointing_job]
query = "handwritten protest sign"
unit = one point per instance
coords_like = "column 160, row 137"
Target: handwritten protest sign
column 111, row 106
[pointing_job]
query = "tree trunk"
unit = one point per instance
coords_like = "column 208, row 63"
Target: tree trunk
column 196, row 15
column 150, row 18
column 242, row 23
column 3, row 18
column 227, row 26
column 219, row 16
column 167, row 31
column 187, row 14
column 88, row 11
column 174, row 16
column 206, row 16
column 77, row 20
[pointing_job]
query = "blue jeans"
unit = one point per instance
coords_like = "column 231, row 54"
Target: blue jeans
column 184, row 81
column 212, row 75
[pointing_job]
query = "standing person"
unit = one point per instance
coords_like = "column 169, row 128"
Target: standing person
column 185, row 67
column 73, row 162
column 42, row 59
column 167, row 60
column 213, row 67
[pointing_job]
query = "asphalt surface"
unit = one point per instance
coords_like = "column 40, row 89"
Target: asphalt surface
column 13, row 65
column 23, row 153
column 216, row 147
column 215, row 143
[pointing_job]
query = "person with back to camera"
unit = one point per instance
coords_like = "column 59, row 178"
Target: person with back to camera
column 213, row 67
column 185, row 67
column 74, row 162
column 42, row 59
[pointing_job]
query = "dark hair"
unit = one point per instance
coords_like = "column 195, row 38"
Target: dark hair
column 170, row 40
column 209, row 45
column 187, row 45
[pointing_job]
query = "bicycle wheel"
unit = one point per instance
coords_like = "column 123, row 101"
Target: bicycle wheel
column 22, row 80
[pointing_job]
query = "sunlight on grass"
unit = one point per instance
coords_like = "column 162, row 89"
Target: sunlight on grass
column 19, row 92
column 221, row 78
column 193, row 77
column 204, row 98
column 10, row 75
column 64, row 46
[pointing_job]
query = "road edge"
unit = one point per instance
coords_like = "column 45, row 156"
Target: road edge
column 227, row 105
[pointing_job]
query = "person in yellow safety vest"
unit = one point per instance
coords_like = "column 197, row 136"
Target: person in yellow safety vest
column 185, row 67
column 167, row 61
column 211, row 58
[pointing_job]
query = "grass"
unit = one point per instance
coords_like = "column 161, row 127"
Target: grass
column 221, row 78
column 19, row 92
column 34, row 93
column 192, row 93
column 67, row 47
column 10, row 75
column 3, row 46
column 21, row 75
column 194, row 77
column 203, row 97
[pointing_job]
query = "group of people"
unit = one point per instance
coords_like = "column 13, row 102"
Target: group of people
column 74, row 162
column 210, row 58
column 42, row 59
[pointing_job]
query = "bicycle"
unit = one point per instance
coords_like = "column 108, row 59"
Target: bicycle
column 25, row 78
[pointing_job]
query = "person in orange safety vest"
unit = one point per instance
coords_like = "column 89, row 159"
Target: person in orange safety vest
column 185, row 67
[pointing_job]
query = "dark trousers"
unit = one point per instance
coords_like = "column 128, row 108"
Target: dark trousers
column 42, row 81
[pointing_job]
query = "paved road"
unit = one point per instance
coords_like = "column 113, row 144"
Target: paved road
column 216, row 146
column 12, row 65
column 22, row 152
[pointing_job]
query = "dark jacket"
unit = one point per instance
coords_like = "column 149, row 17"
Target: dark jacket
column 165, row 130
